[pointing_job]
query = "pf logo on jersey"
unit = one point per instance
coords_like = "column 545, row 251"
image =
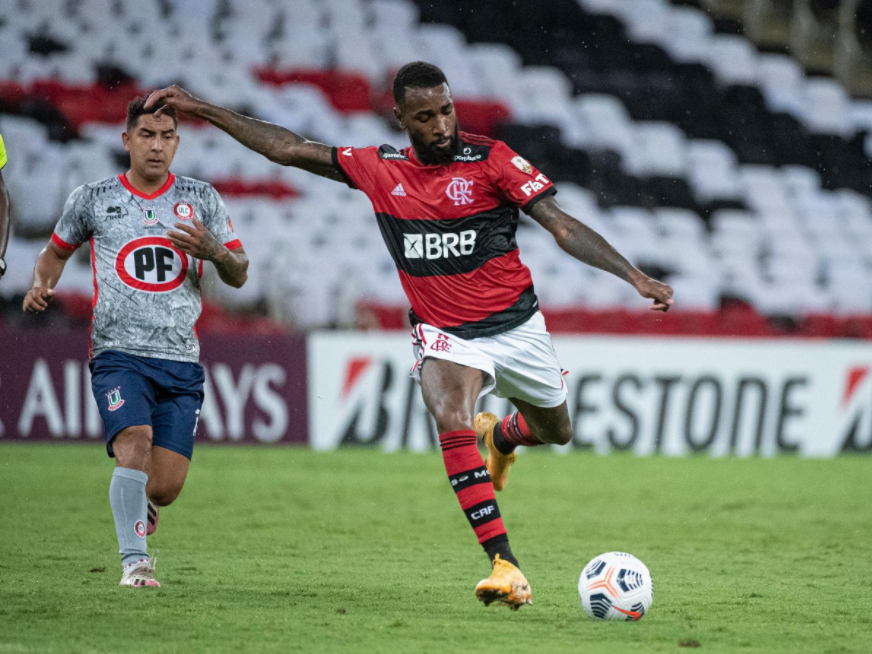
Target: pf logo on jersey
column 459, row 191
column 151, row 264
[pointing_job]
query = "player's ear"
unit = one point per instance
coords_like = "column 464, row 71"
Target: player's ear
column 399, row 116
column 125, row 139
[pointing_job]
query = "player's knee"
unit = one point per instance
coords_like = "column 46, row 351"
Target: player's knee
column 564, row 435
column 164, row 496
column 452, row 419
column 450, row 412
column 132, row 447
column 554, row 435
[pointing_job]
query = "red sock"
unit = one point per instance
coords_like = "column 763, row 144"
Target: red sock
column 515, row 431
column 472, row 483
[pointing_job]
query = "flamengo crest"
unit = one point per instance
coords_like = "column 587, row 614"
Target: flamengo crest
column 459, row 191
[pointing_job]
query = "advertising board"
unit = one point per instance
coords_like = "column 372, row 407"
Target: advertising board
column 648, row 395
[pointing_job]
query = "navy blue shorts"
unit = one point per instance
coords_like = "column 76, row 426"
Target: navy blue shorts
column 132, row 390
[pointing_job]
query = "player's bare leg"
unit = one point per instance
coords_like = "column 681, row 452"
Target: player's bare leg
column 547, row 425
column 530, row 426
column 166, row 477
column 132, row 449
column 450, row 391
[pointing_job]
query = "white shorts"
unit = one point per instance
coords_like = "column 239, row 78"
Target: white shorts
column 520, row 363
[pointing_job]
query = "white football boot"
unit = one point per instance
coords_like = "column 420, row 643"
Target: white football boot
column 140, row 574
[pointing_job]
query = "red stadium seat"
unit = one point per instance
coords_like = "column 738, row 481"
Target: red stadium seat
column 819, row 326
column 481, row 116
column 348, row 92
column 275, row 189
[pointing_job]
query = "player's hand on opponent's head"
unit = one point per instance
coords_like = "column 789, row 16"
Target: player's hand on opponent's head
column 196, row 240
column 173, row 96
column 38, row 299
column 658, row 291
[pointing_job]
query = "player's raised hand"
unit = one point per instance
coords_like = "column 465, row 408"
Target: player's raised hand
column 658, row 291
column 38, row 299
column 196, row 240
column 174, row 96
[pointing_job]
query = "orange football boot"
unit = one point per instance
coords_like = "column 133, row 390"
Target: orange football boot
column 506, row 584
column 497, row 463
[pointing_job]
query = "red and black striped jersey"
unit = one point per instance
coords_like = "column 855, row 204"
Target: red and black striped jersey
column 450, row 229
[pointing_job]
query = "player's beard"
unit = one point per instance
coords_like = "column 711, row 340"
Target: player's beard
column 430, row 155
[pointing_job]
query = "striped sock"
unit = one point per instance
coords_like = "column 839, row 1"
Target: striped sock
column 472, row 484
column 512, row 431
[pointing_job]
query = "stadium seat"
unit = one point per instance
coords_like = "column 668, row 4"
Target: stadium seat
column 765, row 179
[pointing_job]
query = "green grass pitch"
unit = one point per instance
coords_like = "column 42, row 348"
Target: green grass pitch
column 287, row 550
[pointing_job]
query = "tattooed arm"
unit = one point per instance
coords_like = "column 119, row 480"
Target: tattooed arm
column 196, row 240
column 586, row 245
column 276, row 143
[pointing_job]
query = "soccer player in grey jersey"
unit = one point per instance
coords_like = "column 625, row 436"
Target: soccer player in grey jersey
column 150, row 232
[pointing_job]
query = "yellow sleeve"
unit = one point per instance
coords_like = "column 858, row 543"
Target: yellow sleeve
column 2, row 153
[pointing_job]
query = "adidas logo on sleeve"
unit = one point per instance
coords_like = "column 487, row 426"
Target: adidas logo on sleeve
column 399, row 190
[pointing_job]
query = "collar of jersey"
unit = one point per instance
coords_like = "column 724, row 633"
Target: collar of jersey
column 413, row 157
column 147, row 196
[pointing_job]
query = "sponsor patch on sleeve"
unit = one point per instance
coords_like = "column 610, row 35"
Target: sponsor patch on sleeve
column 523, row 165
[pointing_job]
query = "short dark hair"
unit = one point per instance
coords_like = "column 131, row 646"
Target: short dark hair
column 417, row 75
column 136, row 108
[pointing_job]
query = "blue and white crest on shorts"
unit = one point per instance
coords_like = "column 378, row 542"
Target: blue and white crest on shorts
column 114, row 397
column 150, row 217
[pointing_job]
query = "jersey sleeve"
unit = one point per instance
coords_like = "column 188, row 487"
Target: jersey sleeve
column 76, row 223
column 217, row 221
column 358, row 165
column 2, row 153
column 519, row 182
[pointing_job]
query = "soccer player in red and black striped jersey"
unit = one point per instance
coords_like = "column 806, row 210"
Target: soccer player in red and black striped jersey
column 447, row 208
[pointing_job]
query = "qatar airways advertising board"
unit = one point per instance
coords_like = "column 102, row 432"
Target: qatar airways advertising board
column 255, row 389
column 673, row 397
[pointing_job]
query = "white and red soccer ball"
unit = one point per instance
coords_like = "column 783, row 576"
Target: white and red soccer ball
column 616, row 586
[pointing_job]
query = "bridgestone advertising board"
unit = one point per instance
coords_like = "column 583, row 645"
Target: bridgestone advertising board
column 672, row 397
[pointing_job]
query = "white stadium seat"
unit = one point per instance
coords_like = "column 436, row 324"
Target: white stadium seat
column 795, row 248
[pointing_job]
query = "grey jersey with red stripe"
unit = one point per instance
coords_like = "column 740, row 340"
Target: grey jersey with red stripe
column 146, row 291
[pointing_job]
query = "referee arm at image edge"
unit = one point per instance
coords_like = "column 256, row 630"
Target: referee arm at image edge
column 5, row 213
column 284, row 147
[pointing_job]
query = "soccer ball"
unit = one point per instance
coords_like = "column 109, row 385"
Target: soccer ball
column 616, row 586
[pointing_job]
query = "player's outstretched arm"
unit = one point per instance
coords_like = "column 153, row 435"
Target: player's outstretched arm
column 5, row 218
column 272, row 141
column 586, row 245
column 48, row 270
column 196, row 240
